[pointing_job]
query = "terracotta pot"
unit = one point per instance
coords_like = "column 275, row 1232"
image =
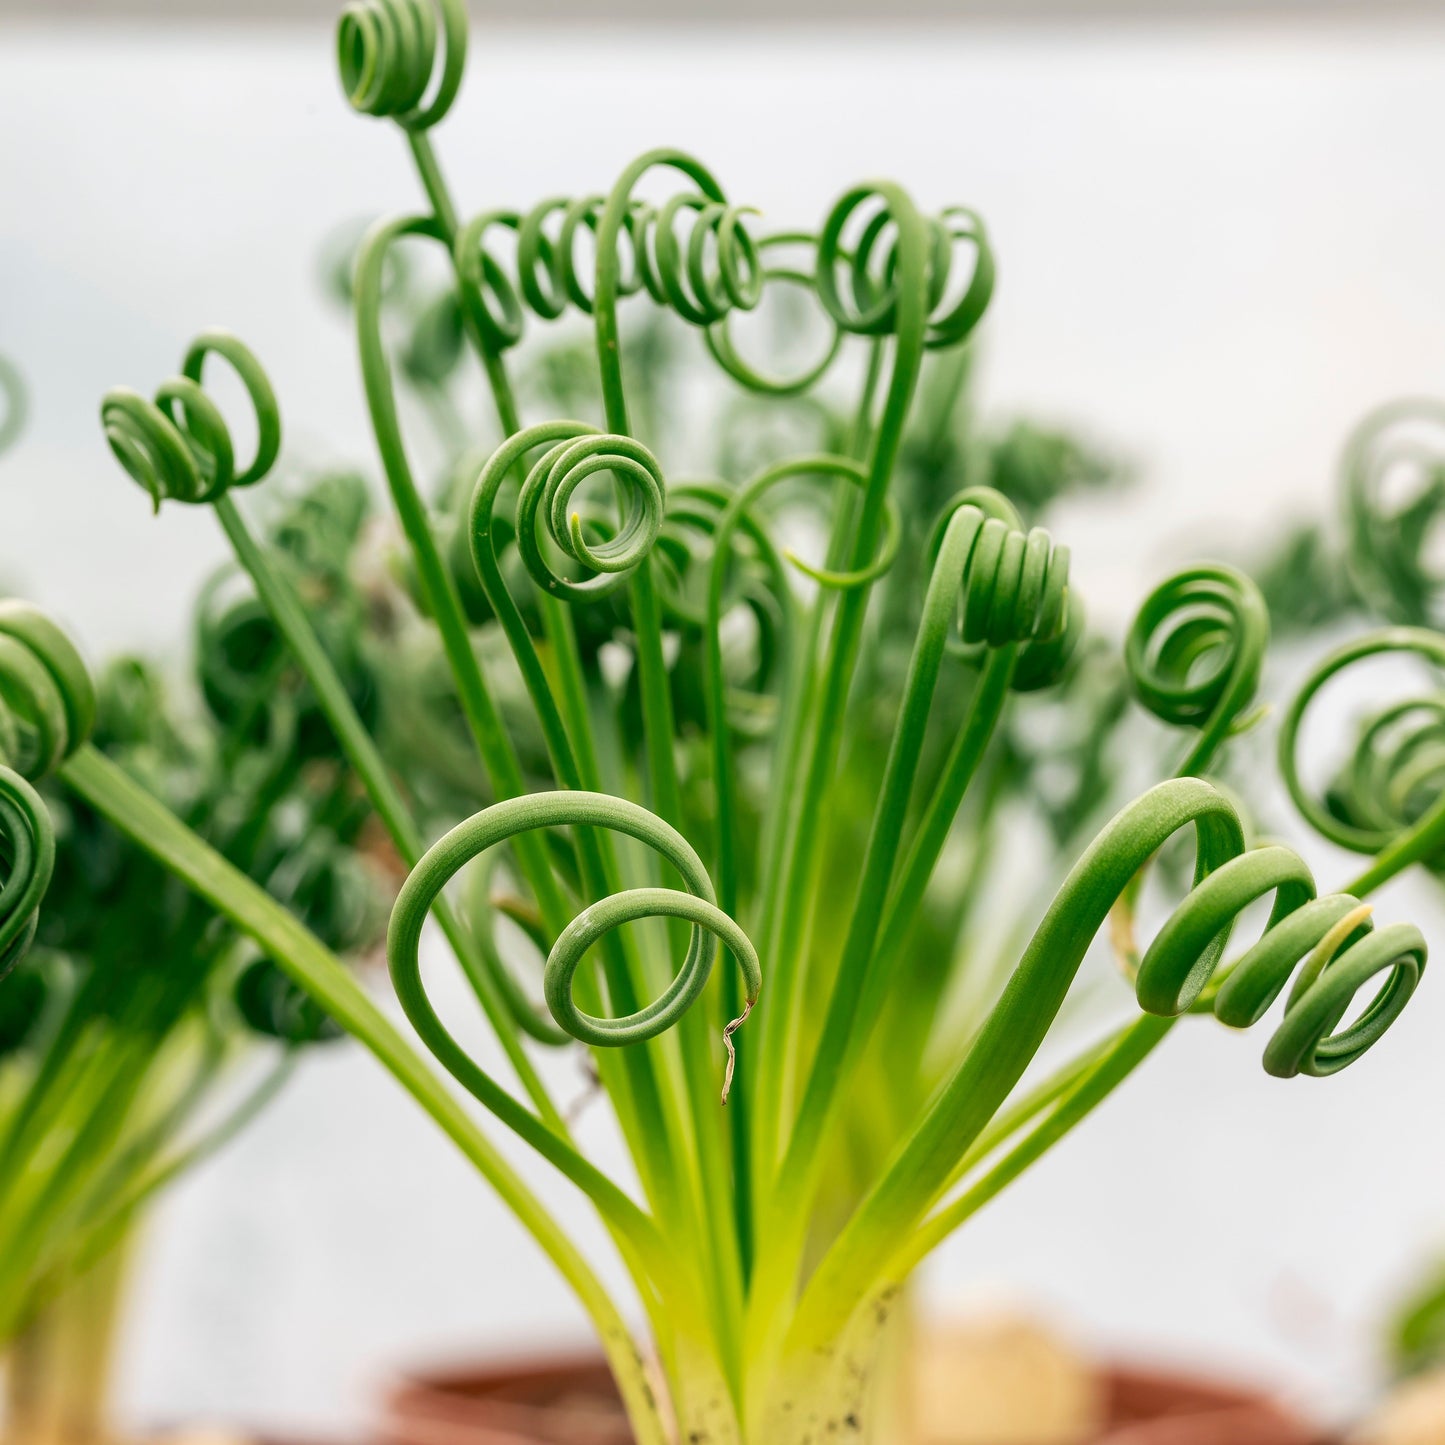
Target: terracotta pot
column 1156, row 1407
column 573, row 1402
column 537, row 1402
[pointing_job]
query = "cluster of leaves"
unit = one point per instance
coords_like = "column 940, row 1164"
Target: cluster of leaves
column 132, row 1007
column 635, row 672
column 121, row 1028
column 1058, row 766
column 1378, row 559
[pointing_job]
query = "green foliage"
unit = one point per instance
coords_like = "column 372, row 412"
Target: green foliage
column 121, row 1025
column 787, row 715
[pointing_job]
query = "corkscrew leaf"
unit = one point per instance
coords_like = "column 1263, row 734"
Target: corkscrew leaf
column 1394, row 496
column 14, row 404
column 179, row 447
column 47, row 700
column 548, row 498
column 27, row 859
column 1390, row 798
column 47, row 709
column 719, row 333
column 505, row 820
column 859, row 281
column 391, row 52
column 1195, row 654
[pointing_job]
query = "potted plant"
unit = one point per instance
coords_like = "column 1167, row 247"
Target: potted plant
column 705, row 718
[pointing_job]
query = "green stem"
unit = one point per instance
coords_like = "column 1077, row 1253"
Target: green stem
column 801, row 861
column 436, row 582
column 60, row 1366
column 711, row 1154
column 945, row 800
column 769, row 1077
column 1131, row 1047
column 640, row 1103
column 150, row 825
column 1012, row 1034
column 445, row 215
column 366, row 761
column 798, row 878
column 642, row 1107
column 50, row 1180
column 123, row 1205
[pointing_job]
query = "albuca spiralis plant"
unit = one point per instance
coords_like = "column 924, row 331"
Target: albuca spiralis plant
column 1386, row 793
column 125, row 1025
column 719, row 784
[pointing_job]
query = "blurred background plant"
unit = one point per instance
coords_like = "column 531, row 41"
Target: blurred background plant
column 140, row 1034
column 1377, row 559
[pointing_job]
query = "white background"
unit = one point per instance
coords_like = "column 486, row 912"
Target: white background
column 1217, row 248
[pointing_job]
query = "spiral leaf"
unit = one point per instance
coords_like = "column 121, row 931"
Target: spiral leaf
column 1389, row 800
column 27, row 859
column 858, row 281
column 693, row 255
column 178, row 447
column 392, row 52
column 47, row 710
column 1330, row 940
column 1195, row 653
column 547, row 507
column 1011, row 585
column 47, row 700
column 720, row 339
column 1395, row 773
column 1398, row 449
column 547, row 260
column 516, row 816
column 713, row 271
